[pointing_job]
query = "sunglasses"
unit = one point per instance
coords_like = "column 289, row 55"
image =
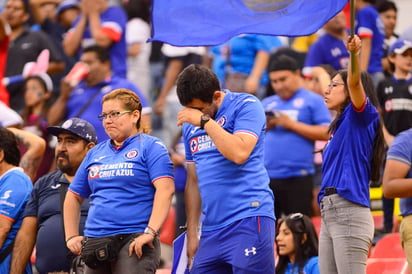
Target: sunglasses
column 298, row 217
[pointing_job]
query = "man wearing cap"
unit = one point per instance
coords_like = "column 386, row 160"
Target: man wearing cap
column 296, row 118
column 43, row 220
column 395, row 99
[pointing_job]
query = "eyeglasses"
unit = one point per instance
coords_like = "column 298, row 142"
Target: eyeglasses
column 334, row 84
column 296, row 217
column 112, row 115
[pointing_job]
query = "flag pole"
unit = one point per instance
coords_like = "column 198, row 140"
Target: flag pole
column 352, row 31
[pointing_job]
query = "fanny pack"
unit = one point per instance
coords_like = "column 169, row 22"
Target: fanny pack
column 99, row 251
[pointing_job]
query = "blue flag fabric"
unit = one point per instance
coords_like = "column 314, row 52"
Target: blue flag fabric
column 179, row 255
column 213, row 22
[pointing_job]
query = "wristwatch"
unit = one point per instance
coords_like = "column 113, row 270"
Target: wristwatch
column 150, row 231
column 203, row 120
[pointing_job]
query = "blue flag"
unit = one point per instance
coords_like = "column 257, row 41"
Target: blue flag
column 213, row 22
column 179, row 255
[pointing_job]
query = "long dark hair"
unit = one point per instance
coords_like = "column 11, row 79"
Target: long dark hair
column 378, row 152
column 300, row 225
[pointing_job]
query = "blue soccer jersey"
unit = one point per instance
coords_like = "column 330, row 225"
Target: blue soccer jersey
column 327, row 50
column 120, row 184
column 288, row 154
column 113, row 24
column 229, row 191
column 369, row 24
column 346, row 157
column 15, row 189
column 401, row 151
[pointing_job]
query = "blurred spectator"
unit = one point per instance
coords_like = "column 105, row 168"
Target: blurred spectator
column 177, row 155
column 38, row 91
column 55, row 17
column 138, row 51
column 296, row 245
column 395, row 100
column 294, row 116
column 330, row 48
column 241, row 62
column 167, row 103
column 370, row 29
column 9, row 117
column 15, row 188
column 318, row 83
column 4, row 46
column 397, row 179
column 388, row 13
column 25, row 46
column 102, row 25
column 84, row 99
column 43, row 218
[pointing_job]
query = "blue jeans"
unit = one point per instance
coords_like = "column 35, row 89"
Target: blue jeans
column 345, row 236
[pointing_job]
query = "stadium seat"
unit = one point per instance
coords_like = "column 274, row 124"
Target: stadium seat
column 388, row 246
column 387, row 266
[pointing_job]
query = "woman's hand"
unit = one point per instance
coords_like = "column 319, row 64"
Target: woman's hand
column 137, row 244
column 353, row 44
column 75, row 244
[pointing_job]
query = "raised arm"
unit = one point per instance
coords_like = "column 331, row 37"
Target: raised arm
column 36, row 146
column 356, row 91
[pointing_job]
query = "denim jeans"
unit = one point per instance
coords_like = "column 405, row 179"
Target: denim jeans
column 126, row 264
column 345, row 236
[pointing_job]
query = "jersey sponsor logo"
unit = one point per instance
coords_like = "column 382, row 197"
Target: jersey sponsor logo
column 298, row 103
column 55, row 186
column 111, row 170
column 398, row 104
column 132, row 154
column 388, row 90
column 222, row 121
column 6, row 194
column 3, row 199
column 200, row 143
column 101, row 157
column 336, row 52
column 25, row 46
column 250, row 252
column 94, row 172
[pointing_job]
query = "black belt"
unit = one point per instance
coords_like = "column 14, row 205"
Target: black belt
column 330, row 191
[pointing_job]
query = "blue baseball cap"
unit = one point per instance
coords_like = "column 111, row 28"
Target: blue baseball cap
column 76, row 126
column 400, row 46
column 67, row 4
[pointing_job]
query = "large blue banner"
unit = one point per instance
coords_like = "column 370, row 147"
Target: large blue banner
column 213, row 22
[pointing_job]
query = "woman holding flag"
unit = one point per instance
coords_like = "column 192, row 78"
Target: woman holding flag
column 351, row 159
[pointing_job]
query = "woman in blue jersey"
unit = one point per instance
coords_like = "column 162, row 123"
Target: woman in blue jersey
column 129, row 180
column 351, row 159
column 296, row 245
